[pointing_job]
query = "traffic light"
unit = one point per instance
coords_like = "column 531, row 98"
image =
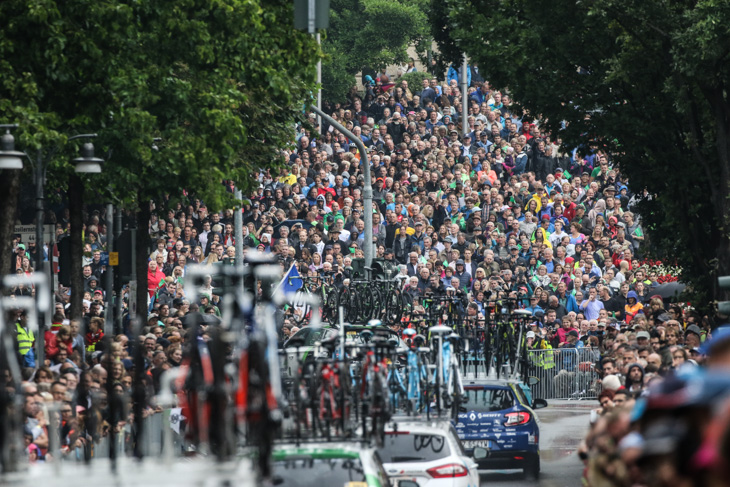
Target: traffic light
column 320, row 14
column 723, row 307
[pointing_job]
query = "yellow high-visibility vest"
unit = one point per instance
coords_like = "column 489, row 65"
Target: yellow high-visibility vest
column 25, row 339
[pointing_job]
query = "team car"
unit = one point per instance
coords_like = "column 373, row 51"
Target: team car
column 427, row 454
column 498, row 418
column 337, row 464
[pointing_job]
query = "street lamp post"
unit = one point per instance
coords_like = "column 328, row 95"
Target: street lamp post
column 367, row 192
column 12, row 159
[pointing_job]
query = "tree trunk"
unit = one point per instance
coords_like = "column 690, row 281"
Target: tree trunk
column 142, row 252
column 76, row 205
column 722, row 200
column 9, row 189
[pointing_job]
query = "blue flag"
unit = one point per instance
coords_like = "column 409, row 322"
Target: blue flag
column 291, row 283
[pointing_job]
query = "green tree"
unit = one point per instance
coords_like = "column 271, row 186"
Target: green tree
column 221, row 84
column 369, row 34
column 647, row 83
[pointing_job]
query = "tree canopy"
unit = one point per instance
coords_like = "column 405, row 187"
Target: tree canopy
column 647, row 83
column 221, row 83
column 369, row 34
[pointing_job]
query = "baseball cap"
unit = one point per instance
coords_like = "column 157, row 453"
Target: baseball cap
column 530, row 334
column 643, row 334
column 573, row 333
column 693, row 329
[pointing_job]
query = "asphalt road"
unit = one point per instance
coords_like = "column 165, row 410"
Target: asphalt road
column 563, row 425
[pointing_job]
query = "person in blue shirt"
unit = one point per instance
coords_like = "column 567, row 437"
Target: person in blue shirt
column 533, row 307
column 455, row 74
column 591, row 306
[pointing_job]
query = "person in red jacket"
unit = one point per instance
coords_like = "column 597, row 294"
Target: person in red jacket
column 95, row 334
column 56, row 341
column 154, row 276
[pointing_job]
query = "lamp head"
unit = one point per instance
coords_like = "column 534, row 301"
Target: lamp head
column 87, row 163
column 9, row 157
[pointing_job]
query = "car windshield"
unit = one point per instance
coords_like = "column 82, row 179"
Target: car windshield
column 483, row 400
column 406, row 447
column 313, row 472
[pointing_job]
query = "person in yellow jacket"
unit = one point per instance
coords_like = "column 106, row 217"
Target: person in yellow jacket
column 25, row 340
column 286, row 177
column 542, row 363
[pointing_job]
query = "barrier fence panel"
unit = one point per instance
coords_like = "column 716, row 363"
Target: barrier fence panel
column 564, row 373
column 152, row 439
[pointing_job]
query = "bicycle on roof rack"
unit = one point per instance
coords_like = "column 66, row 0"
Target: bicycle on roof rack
column 229, row 384
column 322, row 286
column 391, row 304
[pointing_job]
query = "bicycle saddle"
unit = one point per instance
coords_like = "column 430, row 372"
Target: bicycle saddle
column 440, row 330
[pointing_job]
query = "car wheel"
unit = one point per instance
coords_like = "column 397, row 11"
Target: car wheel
column 532, row 467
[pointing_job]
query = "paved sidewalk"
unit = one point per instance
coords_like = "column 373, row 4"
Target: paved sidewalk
column 572, row 404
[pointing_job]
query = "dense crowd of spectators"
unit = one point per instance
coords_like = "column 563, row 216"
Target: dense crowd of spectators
column 498, row 210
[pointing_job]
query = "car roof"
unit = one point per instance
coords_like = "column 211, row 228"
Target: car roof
column 411, row 424
column 491, row 382
column 319, row 450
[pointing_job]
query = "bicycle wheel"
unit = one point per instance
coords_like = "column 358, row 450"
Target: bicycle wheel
column 365, row 302
column 455, row 392
column 330, row 304
column 347, row 301
column 393, row 307
column 498, row 357
column 377, row 309
column 379, row 408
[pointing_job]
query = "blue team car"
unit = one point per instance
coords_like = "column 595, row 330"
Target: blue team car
column 498, row 417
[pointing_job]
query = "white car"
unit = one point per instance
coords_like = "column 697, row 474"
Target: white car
column 427, row 454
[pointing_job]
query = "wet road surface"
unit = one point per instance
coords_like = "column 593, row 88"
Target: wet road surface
column 563, row 425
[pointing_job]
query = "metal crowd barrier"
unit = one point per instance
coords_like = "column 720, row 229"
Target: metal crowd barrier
column 564, row 373
column 152, row 440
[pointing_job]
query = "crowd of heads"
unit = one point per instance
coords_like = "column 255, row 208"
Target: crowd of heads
column 477, row 209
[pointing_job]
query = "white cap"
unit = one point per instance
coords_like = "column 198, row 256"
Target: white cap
column 611, row 382
column 530, row 334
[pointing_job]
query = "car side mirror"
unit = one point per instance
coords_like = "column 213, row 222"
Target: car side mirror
column 533, row 380
column 480, row 453
column 407, row 483
column 539, row 404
